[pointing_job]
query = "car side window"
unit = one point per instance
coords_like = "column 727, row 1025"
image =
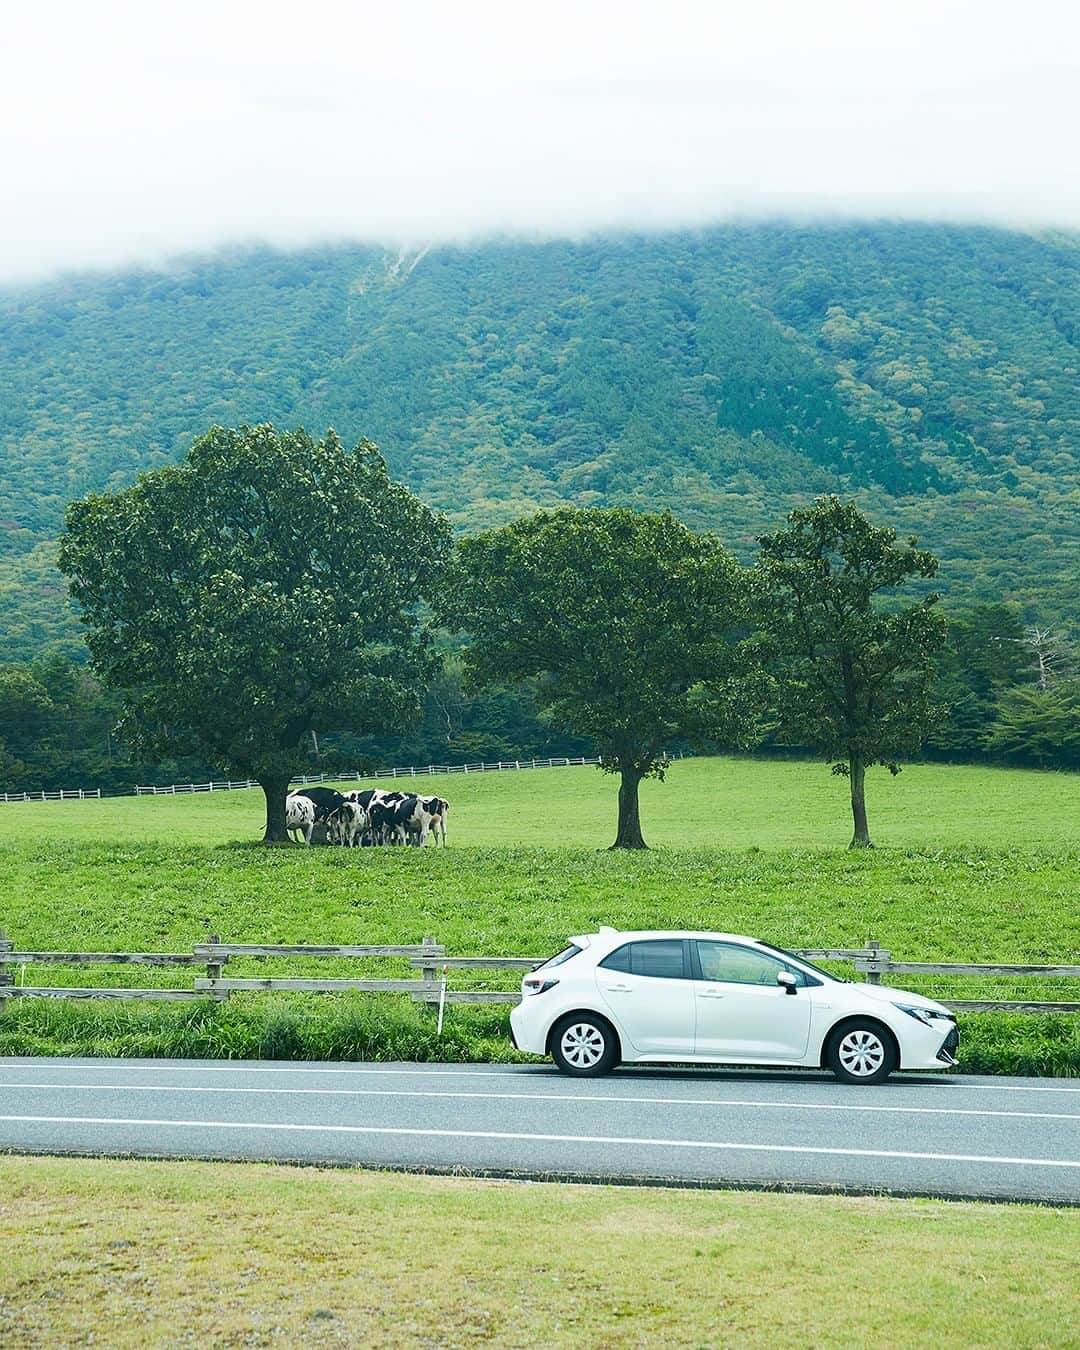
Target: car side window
column 619, row 959
column 731, row 963
column 662, row 959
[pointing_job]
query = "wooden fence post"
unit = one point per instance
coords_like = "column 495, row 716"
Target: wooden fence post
column 429, row 972
column 873, row 976
column 214, row 968
column 7, row 974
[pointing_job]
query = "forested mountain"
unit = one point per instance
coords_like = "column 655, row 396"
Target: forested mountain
column 729, row 374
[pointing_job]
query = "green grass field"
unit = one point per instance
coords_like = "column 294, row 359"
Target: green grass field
column 129, row 1254
column 718, row 803
column 973, row 863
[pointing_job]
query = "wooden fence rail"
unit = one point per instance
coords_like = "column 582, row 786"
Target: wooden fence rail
column 428, row 958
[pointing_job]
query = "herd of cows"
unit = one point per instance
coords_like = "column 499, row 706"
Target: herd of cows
column 365, row 818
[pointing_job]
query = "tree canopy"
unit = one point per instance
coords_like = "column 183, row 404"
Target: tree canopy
column 629, row 621
column 855, row 679
column 265, row 587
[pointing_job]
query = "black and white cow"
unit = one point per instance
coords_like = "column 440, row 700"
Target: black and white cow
column 347, row 824
column 401, row 817
column 299, row 816
column 326, row 800
column 428, row 817
column 390, row 813
column 437, row 809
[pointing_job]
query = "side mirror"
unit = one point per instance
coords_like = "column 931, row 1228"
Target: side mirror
column 787, row 981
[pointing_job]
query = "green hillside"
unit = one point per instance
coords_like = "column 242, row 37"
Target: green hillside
column 729, row 374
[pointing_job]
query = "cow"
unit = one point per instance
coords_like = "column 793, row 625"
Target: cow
column 401, row 817
column 437, row 808
column 428, row 817
column 299, row 816
column 324, row 799
column 390, row 816
column 347, row 824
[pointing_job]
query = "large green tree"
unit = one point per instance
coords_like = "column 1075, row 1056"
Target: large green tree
column 265, row 587
column 1039, row 726
column 629, row 623
column 854, row 676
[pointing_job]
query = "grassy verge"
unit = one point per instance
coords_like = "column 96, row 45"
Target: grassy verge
column 383, row 1027
column 155, row 875
column 130, row 1254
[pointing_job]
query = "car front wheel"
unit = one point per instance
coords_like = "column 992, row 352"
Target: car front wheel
column 584, row 1045
column 861, row 1052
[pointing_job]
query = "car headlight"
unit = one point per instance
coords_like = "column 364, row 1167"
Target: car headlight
column 927, row 1016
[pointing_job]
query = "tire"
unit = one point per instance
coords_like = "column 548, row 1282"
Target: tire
column 861, row 1051
column 584, row 1045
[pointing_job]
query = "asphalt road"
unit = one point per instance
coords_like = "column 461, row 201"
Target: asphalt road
column 1001, row 1138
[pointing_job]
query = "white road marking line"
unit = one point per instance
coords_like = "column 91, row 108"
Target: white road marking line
column 546, row 1139
column 543, row 1097
column 295, row 1066
column 507, row 1071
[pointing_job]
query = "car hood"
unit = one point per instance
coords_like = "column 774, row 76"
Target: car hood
column 882, row 993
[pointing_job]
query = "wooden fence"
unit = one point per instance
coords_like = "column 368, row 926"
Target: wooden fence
column 428, row 958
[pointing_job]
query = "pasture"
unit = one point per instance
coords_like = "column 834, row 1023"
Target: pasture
column 973, row 863
column 241, row 1254
column 725, row 803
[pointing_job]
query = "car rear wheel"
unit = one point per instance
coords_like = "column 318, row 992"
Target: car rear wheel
column 862, row 1052
column 584, row 1045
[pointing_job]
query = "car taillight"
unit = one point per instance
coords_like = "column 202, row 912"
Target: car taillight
column 538, row 986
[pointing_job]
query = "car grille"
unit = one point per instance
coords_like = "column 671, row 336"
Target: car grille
column 949, row 1047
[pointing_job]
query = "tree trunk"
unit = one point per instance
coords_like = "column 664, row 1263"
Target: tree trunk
column 629, row 835
column 275, row 790
column 857, row 774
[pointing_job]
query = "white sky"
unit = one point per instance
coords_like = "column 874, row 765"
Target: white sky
column 129, row 131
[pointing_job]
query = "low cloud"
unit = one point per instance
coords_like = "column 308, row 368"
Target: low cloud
column 129, row 132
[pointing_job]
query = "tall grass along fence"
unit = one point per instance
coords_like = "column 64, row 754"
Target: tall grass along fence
column 305, row 780
column 431, row 980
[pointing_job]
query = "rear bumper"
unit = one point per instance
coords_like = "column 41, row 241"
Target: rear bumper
column 528, row 1028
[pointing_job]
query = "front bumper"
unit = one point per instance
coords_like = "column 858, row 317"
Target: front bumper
column 950, row 1047
column 927, row 1046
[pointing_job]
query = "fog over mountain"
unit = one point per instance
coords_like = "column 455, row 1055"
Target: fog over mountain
column 129, row 133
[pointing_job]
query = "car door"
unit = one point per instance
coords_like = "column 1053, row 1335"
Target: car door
column 648, row 988
column 742, row 1014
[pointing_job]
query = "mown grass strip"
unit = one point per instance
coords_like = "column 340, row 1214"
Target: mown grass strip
column 137, row 1253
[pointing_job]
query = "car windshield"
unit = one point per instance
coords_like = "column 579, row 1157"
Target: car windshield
column 802, row 961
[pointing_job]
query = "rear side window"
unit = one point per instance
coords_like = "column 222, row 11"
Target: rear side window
column 661, row 958
column 618, row 960
column 564, row 955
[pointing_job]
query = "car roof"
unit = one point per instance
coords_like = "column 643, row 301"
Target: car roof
column 616, row 936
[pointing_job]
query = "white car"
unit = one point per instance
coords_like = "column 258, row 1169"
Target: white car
column 716, row 998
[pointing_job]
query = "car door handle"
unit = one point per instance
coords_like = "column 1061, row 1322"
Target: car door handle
column 710, row 993
column 618, row 988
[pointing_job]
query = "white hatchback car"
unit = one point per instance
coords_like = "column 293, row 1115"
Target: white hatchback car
column 715, row 998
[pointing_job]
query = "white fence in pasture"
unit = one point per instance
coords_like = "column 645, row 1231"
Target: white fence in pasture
column 303, row 780
column 64, row 795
